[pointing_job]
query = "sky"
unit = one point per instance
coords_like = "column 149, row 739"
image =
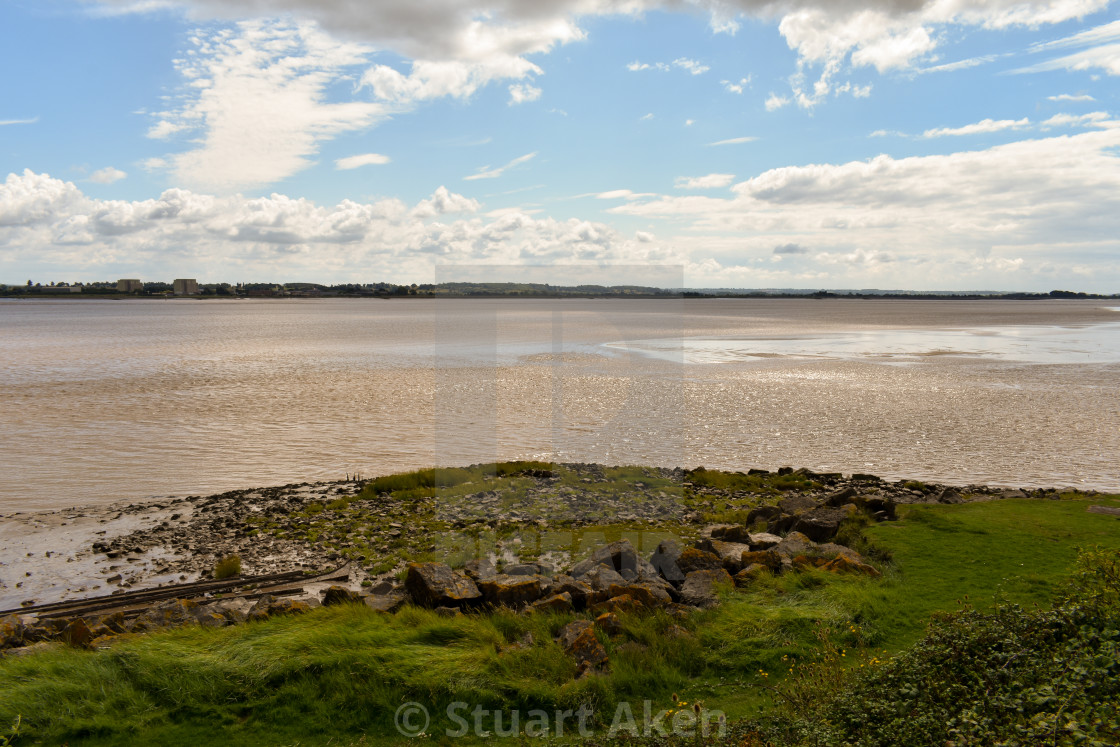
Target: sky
column 893, row 144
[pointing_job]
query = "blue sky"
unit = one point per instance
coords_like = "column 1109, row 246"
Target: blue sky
column 933, row 144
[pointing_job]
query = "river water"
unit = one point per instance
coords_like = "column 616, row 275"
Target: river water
column 105, row 401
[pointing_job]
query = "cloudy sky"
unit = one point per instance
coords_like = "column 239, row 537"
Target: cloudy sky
column 925, row 144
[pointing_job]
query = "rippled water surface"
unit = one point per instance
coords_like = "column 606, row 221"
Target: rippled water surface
column 110, row 400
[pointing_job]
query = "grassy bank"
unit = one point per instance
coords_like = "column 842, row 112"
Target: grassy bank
column 338, row 675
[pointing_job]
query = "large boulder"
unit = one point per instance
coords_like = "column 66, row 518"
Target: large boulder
column 795, row 543
column 766, row 558
column 11, row 631
column 664, row 561
column 512, row 591
column 763, row 514
column 480, row 568
column 764, row 541
column 701, row 588
column 340, row 595
column 842, row 564
column 694, row 559
column 822, row 524
column 647, row 593
column 729, row 553
column 579, row 590
column 796, row 503
column 578, row 639
column 621, row 557
column 436, row 585
column 388, row 602
column 561, row 602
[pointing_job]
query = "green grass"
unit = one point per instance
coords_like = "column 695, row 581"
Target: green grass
column 338, row 674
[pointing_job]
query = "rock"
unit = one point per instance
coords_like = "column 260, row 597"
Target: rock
column 609, row 623
column 750, row 574
column 948, row 495
column 843, row 564
column 831, row 550
column 76, row 633
column 764, row 541
column 11, row 632
column 763, row 514
column 796, row 503
column 383, row 587
column 840, row 497
column 169, row 614
column 524, row 569
column 212, row 620
column 480, row 568
column 436, row 585
column 448, row 611
column 577, row 638
column 389, row 602
column 340, row 595
column 619, row 556
column 822, row 524
column 561, row 602
column 578, row 589
column 646, row 593
column 878, row 505
column 267, row 606
column 795, row 543
column 729, row 553
column 676, row 631
column 700, row 588
column 694, row 559
column 602, row 577
column 622, row 602
column 511, row 591
column 664, row 561
column 766, row 558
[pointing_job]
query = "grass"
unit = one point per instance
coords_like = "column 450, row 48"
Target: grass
column 338, row 674
column 228, row 567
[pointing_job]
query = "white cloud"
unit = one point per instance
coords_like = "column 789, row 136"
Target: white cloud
column 711, row 181
column 488, row 173
column 691, row 66
column 689, row 122
column 257, row 97
column 733, row 87
column 982, row 127
column 636, row 66
column 887, row 133
column 1100, row 50
column 364, row 159
column 934, row 213
column 1071, row 97
column 646, row 117
column 959, row 64
column 50, row 222
column 1092, row 119
column 775, row 102
column 6, row 122
column 107, row 175
column 520, row 93
column 735, row 140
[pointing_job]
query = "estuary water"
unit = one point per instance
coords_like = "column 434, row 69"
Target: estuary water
column 104, row 401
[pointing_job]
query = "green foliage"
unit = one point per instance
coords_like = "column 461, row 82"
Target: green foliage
column 1006, row 676
column 10, row 737
column 228, row 567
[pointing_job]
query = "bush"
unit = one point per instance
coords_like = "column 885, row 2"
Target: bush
column 228, row 567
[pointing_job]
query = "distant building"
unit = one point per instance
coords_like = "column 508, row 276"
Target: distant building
column 129, row 285
column 185, row 287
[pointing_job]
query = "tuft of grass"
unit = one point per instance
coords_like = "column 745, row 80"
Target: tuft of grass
column 228, row 567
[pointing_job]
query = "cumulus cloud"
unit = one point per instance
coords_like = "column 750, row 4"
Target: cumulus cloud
column 691, row 66
column 107, row 175
column 775, row 102
column 488, row 173
column 364, row 159
column 47, row 220
column 1092, row 119
column 1071, row 97
column 255, row 99
column 520, row 93
column 732, row 87
column 940, row 209
column 978, row 128
column 711, row 181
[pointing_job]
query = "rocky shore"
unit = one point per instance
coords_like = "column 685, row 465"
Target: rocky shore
column 91, row 551
column 520, row 535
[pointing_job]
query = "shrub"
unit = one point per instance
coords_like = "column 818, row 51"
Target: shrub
column 228, row 567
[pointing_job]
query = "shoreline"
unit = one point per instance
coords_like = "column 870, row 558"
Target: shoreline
column 86, row 551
